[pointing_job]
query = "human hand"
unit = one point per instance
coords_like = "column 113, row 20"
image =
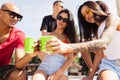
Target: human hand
column 36, row 49
column 57, row 46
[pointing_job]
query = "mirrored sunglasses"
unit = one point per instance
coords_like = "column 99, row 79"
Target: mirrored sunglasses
column 88, row 11
column 63, row 19
column 13, row 14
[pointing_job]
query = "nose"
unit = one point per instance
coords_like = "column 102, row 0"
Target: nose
column 15, row 18
column 61, row 20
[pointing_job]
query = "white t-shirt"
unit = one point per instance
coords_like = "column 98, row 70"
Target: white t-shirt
column 112, row 51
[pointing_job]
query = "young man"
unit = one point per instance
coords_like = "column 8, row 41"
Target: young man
column 12, row 39
column 49, row 21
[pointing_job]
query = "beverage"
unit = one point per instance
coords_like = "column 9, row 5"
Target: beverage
column 43, row 41
column 29, row 42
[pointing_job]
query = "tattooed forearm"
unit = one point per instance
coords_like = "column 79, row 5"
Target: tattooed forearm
column 88, row 46
column 91, row 46
column 95, row 46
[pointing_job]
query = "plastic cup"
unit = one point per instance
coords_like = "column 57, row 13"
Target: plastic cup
column 29, row 42
column 43, row 41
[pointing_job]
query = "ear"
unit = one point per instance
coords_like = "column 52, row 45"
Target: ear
column 0, row 13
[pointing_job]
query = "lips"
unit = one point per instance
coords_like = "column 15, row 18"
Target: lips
column 13, row 22
column 90, row 19
column 60, row 24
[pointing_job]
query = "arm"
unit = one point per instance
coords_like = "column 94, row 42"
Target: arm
column 89, row 46
column 22, row 59
column 43, row 32
column 87, row 59
column 44, row 27
column 98, row 56
column 41, row 55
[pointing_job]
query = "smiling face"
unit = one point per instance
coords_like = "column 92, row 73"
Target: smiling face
column 10, row 15
column 62, row 20
column 87, row 14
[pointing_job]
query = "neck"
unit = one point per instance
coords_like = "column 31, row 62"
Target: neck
column 59, row 32
column 4, row 28
column 54, row 15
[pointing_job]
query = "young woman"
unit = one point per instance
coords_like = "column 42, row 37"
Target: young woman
column 107, row 32
column 53, row 66
column 90, row 33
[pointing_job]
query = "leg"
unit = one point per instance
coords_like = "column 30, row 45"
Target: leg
column 17, row 75
column 87, row 59
column 108, row 75
column 39, row 75
column 93, row 66
column 97, row 59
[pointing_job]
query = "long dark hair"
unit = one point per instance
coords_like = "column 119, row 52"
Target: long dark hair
column 88, row 30
column 103, row 6
column 70, row 29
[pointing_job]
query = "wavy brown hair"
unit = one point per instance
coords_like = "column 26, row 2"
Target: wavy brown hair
column 70, row 29
column 88, row 30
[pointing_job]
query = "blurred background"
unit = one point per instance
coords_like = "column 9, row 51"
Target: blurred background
column 33, row 12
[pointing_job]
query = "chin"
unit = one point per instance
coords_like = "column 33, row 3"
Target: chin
column 11, row 26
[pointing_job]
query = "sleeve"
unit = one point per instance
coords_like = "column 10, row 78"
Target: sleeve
column 44, row 24
column 20, row 41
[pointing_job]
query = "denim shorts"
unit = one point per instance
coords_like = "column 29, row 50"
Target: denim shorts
column 52, row 63
column 113, row 65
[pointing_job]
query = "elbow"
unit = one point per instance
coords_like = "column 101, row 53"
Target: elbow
column 18, row 66
column 105, row 44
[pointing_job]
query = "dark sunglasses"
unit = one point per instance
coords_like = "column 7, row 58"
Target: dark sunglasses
column 63, row 19
column 13, row 14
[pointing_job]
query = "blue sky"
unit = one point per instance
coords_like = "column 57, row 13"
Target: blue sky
column 34, row 10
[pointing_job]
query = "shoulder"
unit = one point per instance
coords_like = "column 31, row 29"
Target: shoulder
column 48, row 17
column 18, row 33
column 112, row 20
column 16, row 30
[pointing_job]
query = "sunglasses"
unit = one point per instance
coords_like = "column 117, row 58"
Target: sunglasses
column 13, row 14
column 63, row 19
column 88, row 11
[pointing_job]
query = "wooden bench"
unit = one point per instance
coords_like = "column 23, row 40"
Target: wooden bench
column 31, row 68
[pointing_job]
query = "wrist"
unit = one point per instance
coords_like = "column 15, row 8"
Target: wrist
column 89, row 77
column 59, row 72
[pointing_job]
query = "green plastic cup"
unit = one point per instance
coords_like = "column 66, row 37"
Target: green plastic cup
column 43, row 41
column 29, row 42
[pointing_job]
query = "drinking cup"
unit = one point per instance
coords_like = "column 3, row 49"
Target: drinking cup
column 29, row 42
column 43, row 41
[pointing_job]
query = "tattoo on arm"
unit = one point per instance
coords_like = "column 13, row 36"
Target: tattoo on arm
column 88, row 46
column 105, row 39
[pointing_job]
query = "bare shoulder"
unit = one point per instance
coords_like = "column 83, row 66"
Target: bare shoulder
column 112, row 21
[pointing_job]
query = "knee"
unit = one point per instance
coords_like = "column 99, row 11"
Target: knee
column 17, row 74
column 64, row 77
column 99, row 54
